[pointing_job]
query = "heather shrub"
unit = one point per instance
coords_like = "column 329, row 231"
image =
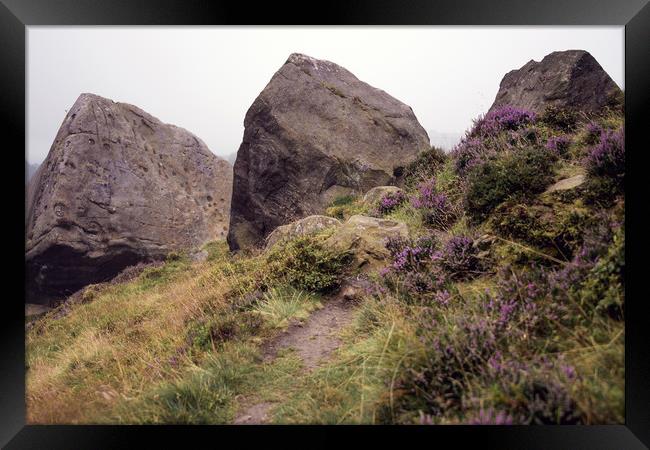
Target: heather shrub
column 469, row 153
column 498, row 131
column 501, row 119
column 389, row 202
column 592, row 133
column 410, row 255
column 563, row 119
column 412, row 271
column 559, row 145
column 604, row 285
column 436, row 208
column 607, row 158
column 521, row 174
column 605, row 164
column 425, row 166
column 458, row 257
column 595, row 279
column 481, row 357
column 305, row 263
column 536, row 392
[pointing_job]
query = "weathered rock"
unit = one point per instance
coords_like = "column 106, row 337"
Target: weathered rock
column 571, row 78
column 566, row 184
column 354, row 289
column 118, row 187
column 308, row 225
column 199, row 256
column 366, row 237
column 375, row 194
column 315, row 132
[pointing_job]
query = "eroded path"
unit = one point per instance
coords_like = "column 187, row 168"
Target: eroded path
column 313, row 341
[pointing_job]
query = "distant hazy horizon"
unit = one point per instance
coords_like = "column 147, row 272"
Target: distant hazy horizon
column 205, row 78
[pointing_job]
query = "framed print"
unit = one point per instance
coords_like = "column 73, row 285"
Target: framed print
column 394, row 221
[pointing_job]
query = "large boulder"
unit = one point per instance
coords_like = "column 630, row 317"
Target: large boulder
column 118, row 187
column 567, row 79
column 366, row 237
column 314, row 133
column 301, row 227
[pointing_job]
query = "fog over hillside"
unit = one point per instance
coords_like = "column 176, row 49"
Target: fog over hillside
column 444, row 140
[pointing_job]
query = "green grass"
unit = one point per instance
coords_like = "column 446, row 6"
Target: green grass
column 280, row 305
column 199, row 395
column 346, row 206
column 183, row 342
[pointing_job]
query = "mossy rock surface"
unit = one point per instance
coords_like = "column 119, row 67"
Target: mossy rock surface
column 366, row 237
column 302, row 227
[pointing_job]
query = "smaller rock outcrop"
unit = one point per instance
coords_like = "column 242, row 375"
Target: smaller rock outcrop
column 567, row 79
column 308, row 225
column 367, row 237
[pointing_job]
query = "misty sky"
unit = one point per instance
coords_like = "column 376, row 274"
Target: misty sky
column 205, row 78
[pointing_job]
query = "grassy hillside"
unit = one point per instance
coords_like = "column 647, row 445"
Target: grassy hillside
column 505, row 305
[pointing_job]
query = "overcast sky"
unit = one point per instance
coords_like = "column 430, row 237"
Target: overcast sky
column 205, row 78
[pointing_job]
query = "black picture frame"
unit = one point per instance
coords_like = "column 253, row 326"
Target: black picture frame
column 16, row 15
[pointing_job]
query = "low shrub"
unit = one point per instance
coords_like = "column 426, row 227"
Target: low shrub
column 436, row 208
column 305, row 263
column 563, row 119
column 607, row 158
column 389, row 202
column 605, row 163
column 592, row 133
column 425, row 166
column 469, row 153
column 559, row 145
column 412, row 272
column 504, row 118
column 458, row 258
column 345, row 206
column 556, row 229
column 523, row 174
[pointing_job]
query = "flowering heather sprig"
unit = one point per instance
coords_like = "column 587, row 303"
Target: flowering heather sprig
column 436, row 208
column 469, row 153
column 504, row 118
column 559, row 145
column 426, row 196
column 408, row 255
column 607, row 158
column 411, row 267
column 389, row 202
column 594, row 131
column 490, row 417
column 459, row 256
column 442, row 297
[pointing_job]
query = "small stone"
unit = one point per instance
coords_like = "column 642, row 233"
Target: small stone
column 566, row 184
